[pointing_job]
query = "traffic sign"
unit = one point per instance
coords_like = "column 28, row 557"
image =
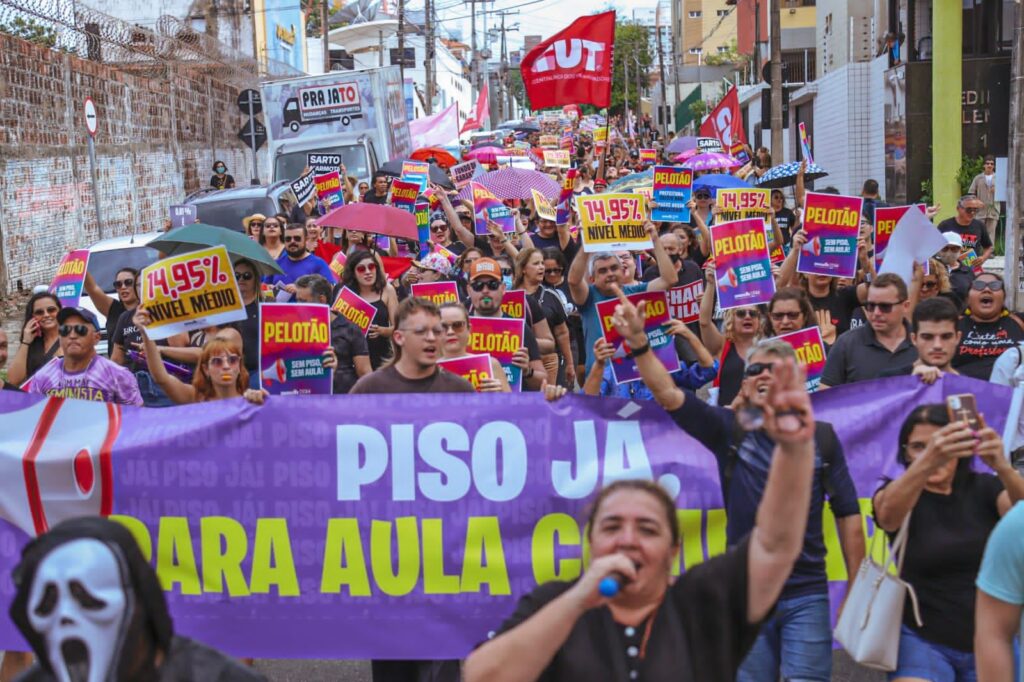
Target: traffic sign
column 91, row 121
column 249, row 102
column 253, row 133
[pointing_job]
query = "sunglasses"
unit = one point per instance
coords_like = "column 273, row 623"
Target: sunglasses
column 438, row 228
column 457, row 327
column 790, row 315
column 553, row 271
column 78, row 329
column 465, row 217
column 756, row 368
column 243, row 276
column 994, row 285
column 52, row 310
column 885, row 308
column 743, row 313
column 702, row 196
column 479, row 286
column 124, row 283
column 927, row 286
column 294, row 238
column 224, row 361
column 366, row 267
column 970, row 211
column 253, row 223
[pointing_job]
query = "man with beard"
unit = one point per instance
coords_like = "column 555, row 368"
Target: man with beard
column 796, row 641
column 296, row 262
column 92, row 608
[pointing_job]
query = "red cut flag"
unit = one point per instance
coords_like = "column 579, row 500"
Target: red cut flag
column 480, row 113
column 726, row 122
column 574, row 66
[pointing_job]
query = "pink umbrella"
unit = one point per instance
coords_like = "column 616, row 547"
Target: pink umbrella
column 514, row 183
column 372, row 218
column 711, row 161
column 484, row 154
column 687, row 155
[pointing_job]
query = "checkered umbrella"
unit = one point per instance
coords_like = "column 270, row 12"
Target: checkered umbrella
column 711, row 161
column 784, row 175
column 514, row 183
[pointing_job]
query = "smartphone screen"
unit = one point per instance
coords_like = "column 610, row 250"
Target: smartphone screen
column 964, row 408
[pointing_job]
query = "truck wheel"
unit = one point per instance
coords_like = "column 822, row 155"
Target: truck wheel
column 294, row 125
column 345, row 120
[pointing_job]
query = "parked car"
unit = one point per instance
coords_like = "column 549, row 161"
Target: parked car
column 108, row 256
column 227, row 207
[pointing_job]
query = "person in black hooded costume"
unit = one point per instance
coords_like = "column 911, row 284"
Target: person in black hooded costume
column 92, row 609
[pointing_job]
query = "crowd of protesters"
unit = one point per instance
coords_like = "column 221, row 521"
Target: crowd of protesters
column 762, row 610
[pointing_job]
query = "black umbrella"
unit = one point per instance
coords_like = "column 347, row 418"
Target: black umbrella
column 436, row 174
column 526, row 128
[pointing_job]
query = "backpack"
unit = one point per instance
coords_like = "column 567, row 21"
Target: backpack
column 824, row 438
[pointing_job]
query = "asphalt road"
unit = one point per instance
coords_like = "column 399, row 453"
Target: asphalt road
column 844, row 670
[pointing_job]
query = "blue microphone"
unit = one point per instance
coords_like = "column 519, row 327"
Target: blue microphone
column 611, row 584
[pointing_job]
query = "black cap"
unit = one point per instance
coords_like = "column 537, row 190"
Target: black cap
column 83, row 313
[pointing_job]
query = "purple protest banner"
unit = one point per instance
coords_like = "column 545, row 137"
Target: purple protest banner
column 385, row 526
column 293, row 336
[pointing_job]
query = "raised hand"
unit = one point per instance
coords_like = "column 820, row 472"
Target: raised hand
column 788, row 416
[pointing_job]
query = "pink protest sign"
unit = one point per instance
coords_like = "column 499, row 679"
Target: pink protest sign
column 354, row 308
column 438, row 292
column 743, row 270
column 293, row 337
column 486, row 206
column 70, row 278
column 649, row 156
column 513, row 304
column 500, row 337
column 403, row 195
column 886, row 218
column 684, row 301
column 472, row 368
column 656, row 317
column 832, row 224
column 810, row 353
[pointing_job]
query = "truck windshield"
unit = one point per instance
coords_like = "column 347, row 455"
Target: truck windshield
column 288, row 166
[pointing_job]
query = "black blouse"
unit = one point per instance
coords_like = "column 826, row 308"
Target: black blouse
column 700, row 632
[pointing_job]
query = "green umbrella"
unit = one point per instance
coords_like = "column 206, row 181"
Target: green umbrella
column 200, row 235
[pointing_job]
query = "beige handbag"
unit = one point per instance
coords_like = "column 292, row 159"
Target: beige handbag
column 869, row 627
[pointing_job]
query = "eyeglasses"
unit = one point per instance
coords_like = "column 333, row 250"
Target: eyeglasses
column 756, row 368
column 457, row 327
column 993, row 285
column 39, row 312
column 479, row 286
column 423, row 331
column 124, row 283
column 364, row 268
column 243, row 276
column 299, row 238
column 553, row 271
column 224, row 361
column 787, row 315
column 885, row 308
column 743, row 313
column 438, row 228
column 78, row 329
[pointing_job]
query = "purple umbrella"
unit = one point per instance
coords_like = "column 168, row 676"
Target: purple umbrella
column 681, row 144
column 484, row 154
column 514, row 183
column 711, row 161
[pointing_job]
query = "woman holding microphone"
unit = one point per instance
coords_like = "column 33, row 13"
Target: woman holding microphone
column 696, row 627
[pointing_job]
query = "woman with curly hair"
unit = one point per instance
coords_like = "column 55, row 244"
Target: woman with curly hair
column 741, row 330
column 364, row 274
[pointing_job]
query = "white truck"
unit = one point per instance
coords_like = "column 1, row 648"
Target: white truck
column 357, row 115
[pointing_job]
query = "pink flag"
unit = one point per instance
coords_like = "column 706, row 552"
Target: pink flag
column 438, row 130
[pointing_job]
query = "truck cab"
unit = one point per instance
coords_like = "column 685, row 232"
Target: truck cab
column 359, row 156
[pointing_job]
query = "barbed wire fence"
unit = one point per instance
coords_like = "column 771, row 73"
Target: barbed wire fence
column 166, row 101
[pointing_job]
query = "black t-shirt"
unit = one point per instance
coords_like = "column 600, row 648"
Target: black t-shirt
column 975, row 235
column 552, row 242
column 4, row 386
column 945, row 544
column 549, row 305
column 225, row 182
column 348, row 341
column 127, row 335
column 249, row 328
column 700, row 630
column 841, row 304
column 981, row 343
column 372, row 198
column 786, row 219
column 113, row 315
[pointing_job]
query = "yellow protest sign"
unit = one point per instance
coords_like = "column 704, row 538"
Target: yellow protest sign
column 612, row 222
column 557, row 158
column 544, row 208
column 549, row 140
column 191, row 291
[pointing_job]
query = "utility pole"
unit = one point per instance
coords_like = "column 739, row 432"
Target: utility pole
column 401, row 39
column 504, row 97
column 325, row 29
column 757, row 42
column 662, row 118
column 778, row 153
column 474, row 76
column 1014, row 168
column 428, row 62
column 625, row 95
column 675, row 72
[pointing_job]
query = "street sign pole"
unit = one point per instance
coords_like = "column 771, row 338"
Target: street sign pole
column 252, row 145
column 249, row 101
column 91, row 124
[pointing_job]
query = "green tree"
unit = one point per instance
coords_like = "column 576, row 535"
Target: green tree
column 632, row 44
column 516, row 87
column 732, row 57
column 30, row 30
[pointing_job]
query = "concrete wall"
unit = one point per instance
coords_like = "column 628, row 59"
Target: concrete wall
column 160, row 128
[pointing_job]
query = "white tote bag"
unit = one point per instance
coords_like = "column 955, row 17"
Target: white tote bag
column 869, row 627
